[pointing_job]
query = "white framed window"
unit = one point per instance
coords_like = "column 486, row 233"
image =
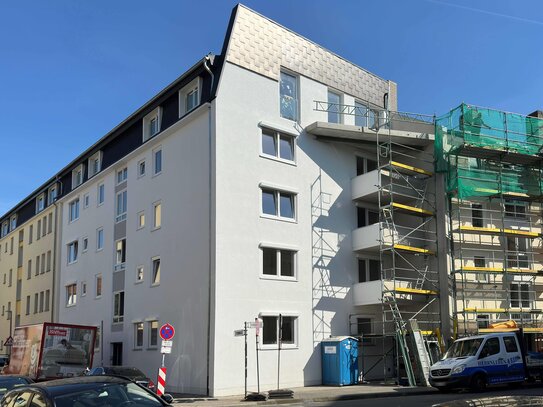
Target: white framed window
column 47, row 299
column 364, row 328
column 77, row 176
column 277, row 203
column 72, row 252
column 369, row 270
column 74, row 210
column 364, row 116
column 98, row 285
column 152, row 124
column 42, row 299
column 85, row 244
column 278, row 327
column 288, row 96
column 53, row 193
column 153, row 334
column 278, row 263
column 480, row 262
column 48, row 268
column 515, row 209
column 189, row 97
column 157, row 161
column 118, row 307
column 28, row 305
column 121, row 206
column 139, row 273
column 120, row 254
column 86, row 201
column 138, row 335
column 71, row 295
column 13, row 223
column 83, row 288
column 5, row 229
column 30, row 234
column 141, row 220
column 278, row 145
column 334, row 107
column 122, row 175
column 40, row 203
column 157, row 215
column 101, row 194
column 155, row 270
column 95, row 164
column 521, row 295
column 99, row 239
column 141, row 168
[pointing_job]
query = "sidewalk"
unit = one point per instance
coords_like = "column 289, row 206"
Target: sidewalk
column 313, row 393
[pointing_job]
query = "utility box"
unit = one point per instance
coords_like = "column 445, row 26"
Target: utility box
column 340, row 361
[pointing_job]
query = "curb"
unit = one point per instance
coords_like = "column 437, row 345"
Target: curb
column 345, row 397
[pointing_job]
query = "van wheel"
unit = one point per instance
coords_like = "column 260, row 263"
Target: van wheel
column 478, row 382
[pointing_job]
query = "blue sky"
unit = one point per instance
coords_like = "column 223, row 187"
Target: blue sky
column 71, row 70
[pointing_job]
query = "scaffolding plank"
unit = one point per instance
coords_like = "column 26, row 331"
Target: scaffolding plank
column 412, row 249
column 497, row 270
column 413, row 209
column 410, row 168
column 525, row 330
column 405, row 290
column 500, row 310
column 514, row 232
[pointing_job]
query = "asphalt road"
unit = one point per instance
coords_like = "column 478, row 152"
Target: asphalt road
column 431, row 399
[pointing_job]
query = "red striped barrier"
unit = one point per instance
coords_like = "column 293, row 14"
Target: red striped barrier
column 161, row 383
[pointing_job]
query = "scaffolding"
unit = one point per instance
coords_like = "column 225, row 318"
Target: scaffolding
column 493, row 167
column 408, row 275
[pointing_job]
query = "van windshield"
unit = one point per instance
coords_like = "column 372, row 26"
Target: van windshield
column 467, row 347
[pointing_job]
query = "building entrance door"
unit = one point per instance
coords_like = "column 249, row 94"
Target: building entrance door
column 117, row 353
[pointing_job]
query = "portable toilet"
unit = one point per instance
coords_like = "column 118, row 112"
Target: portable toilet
column 340, row 361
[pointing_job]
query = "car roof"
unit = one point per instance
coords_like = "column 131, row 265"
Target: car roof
column 74, row 384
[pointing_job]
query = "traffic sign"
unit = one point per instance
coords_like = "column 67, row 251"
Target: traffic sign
column 252, row 324
column 239, row 332
column 9, row 342
column 167, row 344
column 167, row 332
column 166, row 349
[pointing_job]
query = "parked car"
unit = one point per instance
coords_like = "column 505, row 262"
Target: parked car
column 131, row 373
column 9, row 382
column 96, row 391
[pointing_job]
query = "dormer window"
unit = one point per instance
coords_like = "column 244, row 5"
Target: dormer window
column 189, row 97
column 95, row 164
column 5, row 230
column 53, row 193
column 40, row 203
column 13, row 223
column 77, row 176
column 151, row 124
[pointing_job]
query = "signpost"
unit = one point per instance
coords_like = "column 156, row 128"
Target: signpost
column 9, row 341
column 166, row 332
column 243, row 332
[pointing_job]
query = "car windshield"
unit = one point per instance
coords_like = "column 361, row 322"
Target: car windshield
column 129, row 394
column 126, row 371
column 466, row 347
column 8, row 383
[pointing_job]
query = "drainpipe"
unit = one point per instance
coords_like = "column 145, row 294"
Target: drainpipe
column 206, row 60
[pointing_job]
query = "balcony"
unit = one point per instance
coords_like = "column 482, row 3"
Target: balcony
column 402, row 238
column 367, row 123
column 371, row 292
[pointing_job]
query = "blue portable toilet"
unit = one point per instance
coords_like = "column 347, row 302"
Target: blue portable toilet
column 340, row 361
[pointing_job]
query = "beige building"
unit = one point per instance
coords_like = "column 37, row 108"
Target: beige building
column 27, row 263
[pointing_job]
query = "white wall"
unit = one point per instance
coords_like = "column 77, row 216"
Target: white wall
column 182, row 243
column 244, row 100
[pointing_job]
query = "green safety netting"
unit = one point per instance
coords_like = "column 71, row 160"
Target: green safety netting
column 467, row 129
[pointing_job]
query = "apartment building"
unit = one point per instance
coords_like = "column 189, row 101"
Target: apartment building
column 27, row 266
column 275, row 181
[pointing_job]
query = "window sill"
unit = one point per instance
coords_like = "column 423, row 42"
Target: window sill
column 73, row 220
column 138, row 282
column 156, row 228
column 70, row 263
column 278, row 278
column 70, row 305
column 278, row 159
column 155, row 284
column 97, row 297
column 99, row 250
column 279, row 218
column 156, row 174
column 99, row 204
column 137, row 349
column 152, row 348
column 275, row 347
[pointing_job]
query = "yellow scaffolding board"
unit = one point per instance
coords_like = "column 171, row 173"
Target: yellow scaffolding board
column 412, row 249
column 514, row 232
column 526, row 330
column 499, row 310
column 497, row 270
column 410, row 168
column 405, row 290
column 414, row 209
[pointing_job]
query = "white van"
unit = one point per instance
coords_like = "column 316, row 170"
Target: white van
column 478, row 361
